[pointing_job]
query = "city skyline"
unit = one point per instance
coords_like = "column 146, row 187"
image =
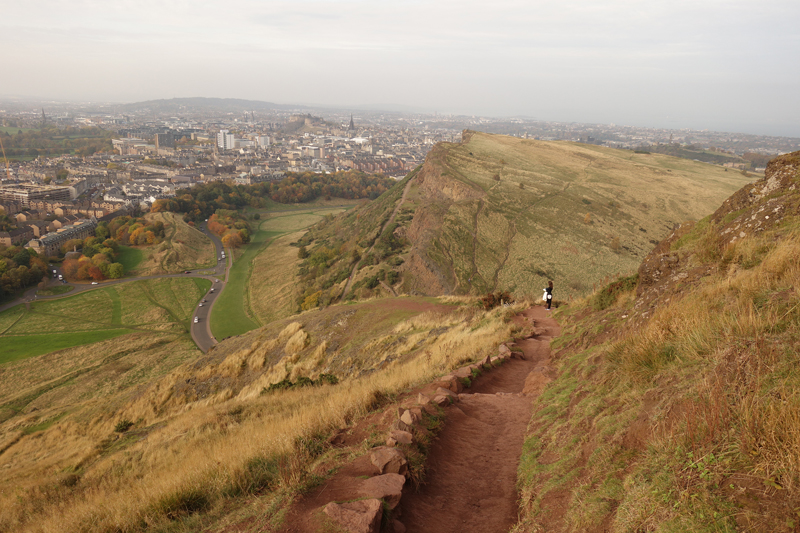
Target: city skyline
column 724, row 66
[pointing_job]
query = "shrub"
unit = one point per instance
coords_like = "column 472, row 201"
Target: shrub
column 492, row 300
column 123, row 426
column 606, row 296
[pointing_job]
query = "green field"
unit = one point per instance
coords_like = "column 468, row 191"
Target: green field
column 158, row 305
column 24, row 346
column 55, row 290
column 232, row 313
column 130, row 257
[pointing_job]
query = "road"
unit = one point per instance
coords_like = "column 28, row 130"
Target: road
column 200, row 331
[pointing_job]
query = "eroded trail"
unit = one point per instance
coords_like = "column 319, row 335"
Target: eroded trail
column 472, row 466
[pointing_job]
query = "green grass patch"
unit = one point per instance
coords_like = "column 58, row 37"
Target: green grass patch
column 19, row 347
column 130, row 257
column 232, row 314
column 55, row 291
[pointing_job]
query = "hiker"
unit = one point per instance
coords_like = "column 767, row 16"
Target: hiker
column 549, row 292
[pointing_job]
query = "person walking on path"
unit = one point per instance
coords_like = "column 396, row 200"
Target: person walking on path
column 549, row 292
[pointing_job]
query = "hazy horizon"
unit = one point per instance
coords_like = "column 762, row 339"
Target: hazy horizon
column 722, row 66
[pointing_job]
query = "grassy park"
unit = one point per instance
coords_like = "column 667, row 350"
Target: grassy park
column 159, row 305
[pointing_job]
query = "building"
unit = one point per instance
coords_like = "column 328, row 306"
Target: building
column 16, row 236
column 226, row 140
column 24, row 193
column 50, row 244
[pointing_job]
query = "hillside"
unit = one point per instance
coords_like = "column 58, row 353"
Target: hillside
column 676, row 404
column 120, row 438
column 183, row 248
column 497, row 212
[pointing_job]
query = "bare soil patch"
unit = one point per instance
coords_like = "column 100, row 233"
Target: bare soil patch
column 472, row 466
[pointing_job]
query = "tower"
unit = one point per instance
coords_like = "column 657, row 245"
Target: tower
column 352, row 126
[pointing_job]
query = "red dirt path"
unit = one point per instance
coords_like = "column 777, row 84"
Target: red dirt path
column 472, row 466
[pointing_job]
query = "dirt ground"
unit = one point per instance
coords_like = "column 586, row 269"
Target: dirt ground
column 472, row 466
column 470, row 482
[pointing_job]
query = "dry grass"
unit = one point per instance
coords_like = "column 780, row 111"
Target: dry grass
column 714, row 377
column 521, row 237
column 199, row 451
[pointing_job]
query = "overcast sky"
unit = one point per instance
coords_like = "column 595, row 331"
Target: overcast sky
column 729, row 65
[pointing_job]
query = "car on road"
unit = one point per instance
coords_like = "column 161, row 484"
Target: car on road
column 187, row 271
column 212, row 290
column 204, row 300
column 94, row 283
column 196, row 320
column 199, row 305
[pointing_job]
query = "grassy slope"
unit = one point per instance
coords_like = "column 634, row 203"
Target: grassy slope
column 527, row 235
column 677, row 407
column 183, row 248
column 247, row 301
column 164, row 305
column 212, row 440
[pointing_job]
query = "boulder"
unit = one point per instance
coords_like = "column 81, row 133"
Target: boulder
column 451, row 383
column 517, row 355
column 442, row 400
column 388, row 487
column 389, row 460
column 463, row 372
column 397, row 436
column 422, row 399
column 412, row 416
column 363, row 516
column 503, row 350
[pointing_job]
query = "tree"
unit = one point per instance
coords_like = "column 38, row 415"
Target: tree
column 115, row 270
column 302, row 252
column 22, row 258
column 231, row 240
column 62, row 174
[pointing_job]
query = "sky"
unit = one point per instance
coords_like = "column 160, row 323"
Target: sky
column 730, row 65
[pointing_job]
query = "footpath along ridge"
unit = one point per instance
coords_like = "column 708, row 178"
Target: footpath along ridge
column 470, row 472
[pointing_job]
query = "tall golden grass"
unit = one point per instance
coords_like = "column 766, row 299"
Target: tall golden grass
column 194, row 455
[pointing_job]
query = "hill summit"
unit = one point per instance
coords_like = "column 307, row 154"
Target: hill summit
column 499, row 212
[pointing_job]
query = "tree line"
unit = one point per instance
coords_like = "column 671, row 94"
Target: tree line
column 52, row 141
column 203, row 200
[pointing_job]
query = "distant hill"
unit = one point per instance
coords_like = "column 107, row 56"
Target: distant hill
column 497, row 212
column 197, row 104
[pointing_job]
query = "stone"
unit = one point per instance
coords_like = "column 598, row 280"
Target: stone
column 389, row 460
column 447, row 393
column 422, row 399
column 487, row 362
column 398, row 527
column 517, row 355
column 464, row 372
column 442, row 400
column 412, row 416
column 388, row 487
column 503, row 350
column 451, row 383
column 363, row 516
column 400, row 437
column 399, row 425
